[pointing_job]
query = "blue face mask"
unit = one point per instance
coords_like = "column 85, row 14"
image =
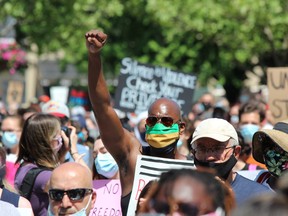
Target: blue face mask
column 234, row 119
column 106, row 165
column 247, row 131
column 81, row 137
column 82, row 212
column 9, row 139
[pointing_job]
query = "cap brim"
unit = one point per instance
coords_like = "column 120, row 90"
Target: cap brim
column 278, row 137
column 60, row 115
column 218, row 137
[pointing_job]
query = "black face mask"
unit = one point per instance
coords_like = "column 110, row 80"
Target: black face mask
column 165, row 152
column 222, row 169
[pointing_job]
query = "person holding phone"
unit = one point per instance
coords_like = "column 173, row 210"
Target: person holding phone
column 42, row 145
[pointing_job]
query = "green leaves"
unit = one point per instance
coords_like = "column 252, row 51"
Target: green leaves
column 210, row 38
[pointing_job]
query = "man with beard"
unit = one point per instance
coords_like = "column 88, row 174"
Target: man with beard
column 163, row 125
column 215, row 145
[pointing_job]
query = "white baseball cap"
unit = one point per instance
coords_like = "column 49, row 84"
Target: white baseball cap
column 56, row 108
column 215, row 128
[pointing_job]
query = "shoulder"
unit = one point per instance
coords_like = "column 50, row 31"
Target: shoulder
column 246, row 183
column 82, row 147
column 24, row 203
column 42, row 179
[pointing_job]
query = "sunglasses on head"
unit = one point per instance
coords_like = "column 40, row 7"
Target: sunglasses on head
column 167, row 121
column 73, row 194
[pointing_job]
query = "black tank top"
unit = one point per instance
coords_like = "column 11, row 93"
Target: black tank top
column 124, row 203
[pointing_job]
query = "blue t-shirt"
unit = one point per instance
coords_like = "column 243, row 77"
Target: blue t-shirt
column 82, row 150
column 245, row 189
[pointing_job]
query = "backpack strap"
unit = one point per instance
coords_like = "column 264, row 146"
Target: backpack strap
column 263, row 176
column 25, row 189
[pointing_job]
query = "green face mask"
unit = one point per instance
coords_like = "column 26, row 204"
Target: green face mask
column 276, row 161
column 160, row 136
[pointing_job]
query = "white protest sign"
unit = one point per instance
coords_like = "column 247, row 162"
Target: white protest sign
column 59, row 93
column 150, row 168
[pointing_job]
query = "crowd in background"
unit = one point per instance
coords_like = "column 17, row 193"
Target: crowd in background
column 42, row 142
column 248, row 117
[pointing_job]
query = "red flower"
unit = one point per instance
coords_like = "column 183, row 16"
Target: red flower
column 12, row 55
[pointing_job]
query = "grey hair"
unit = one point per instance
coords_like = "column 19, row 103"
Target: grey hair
column 233, row 142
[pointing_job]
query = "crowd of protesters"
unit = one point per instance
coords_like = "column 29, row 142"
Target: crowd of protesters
column 51, row 153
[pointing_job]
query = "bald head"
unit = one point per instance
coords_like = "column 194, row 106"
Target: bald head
column 71, row 175
column 165, row 107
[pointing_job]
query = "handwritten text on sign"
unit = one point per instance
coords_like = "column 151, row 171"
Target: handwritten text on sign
column 140, row 85
column 149, row 169
column 108, row 198
column 278, row 89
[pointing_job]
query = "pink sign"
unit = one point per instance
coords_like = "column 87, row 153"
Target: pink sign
column 108, row 198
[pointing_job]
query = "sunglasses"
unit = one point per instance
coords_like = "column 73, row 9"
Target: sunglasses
column 73, row 194
column 164, row 208
column 167, row 121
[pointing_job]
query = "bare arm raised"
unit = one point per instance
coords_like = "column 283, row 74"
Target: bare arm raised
column 123, row 146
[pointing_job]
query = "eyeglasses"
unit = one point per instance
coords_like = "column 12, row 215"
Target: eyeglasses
column 217, row 150
column 73, row 194
column 165, row 120
column 165, row 208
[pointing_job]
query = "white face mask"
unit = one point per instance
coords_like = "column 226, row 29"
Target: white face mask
column 81, row 212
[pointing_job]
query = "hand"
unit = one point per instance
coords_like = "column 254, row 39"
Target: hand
column 95, row 40
column 72, row 139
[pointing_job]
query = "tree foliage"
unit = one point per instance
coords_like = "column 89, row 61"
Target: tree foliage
column 211, row 38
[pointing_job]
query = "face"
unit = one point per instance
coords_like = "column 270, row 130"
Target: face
column 250, row 118
column 68, row 180
column 210, row 150
column 276, row 158
column 207, row 99
column 99, row 148
column 186, row 199
column 12, row 125
column 166, row 108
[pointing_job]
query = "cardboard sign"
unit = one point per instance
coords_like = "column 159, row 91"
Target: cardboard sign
column 108, row 198
column 15, row 92
column 150, row 168
column 139, row 85
column 278, row 91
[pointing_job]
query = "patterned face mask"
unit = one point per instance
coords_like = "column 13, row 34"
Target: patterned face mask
column 276, row 160
column 160, row 136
